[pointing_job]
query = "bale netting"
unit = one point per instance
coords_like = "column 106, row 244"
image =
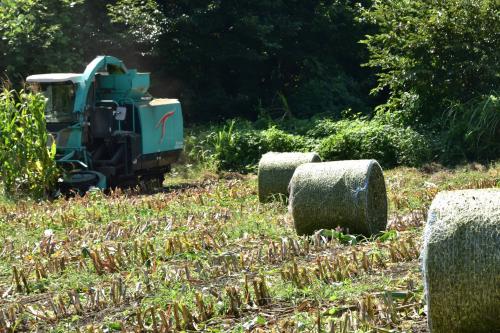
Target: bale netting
column 276, row 170
column 461, row 262
column 349, row 194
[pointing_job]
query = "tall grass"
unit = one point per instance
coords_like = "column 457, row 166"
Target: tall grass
column 473, row 129
column 27, row 166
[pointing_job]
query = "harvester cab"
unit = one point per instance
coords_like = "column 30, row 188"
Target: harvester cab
column 107, row 128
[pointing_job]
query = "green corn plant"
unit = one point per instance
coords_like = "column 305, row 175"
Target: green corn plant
column 27, row 166
column 222, row 143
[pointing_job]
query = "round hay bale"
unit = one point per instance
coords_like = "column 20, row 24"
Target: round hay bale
column 276, row 170
column 349, row 194
column 461, row 262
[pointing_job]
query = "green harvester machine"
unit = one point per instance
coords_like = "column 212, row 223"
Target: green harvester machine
column 107, row 128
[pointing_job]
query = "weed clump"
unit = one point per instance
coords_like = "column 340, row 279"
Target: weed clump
column 472, row 129
column 361, row 139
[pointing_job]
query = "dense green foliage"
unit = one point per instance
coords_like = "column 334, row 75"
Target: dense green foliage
column 239, row 145
column 232, row 57
column 53, row 35
column 362, row 139
column 431, row 55
column 27, row 165
column 224, row 59
column 440, row 63
column 473, row 129
column 432, row 66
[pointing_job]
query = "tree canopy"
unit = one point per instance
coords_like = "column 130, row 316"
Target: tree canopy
column 222, row 58
column 433, row 54
column 249, row 58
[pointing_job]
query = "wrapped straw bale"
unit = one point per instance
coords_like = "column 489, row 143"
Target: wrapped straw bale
column 461, row 262
column 276, row 170
column 349, row 194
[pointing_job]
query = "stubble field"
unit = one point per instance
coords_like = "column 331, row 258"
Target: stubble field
column 201, row 254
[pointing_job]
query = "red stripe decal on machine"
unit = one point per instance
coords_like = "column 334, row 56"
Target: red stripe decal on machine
column 162, row 122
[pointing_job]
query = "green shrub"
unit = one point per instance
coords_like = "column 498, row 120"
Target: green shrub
column 363, row 139
column 27, row 165
column 472, row 130
column 197, row 147
column 235, row 147
column 238, row 146
column 412, row 148
column 358, row 139
column 278, row 140
column 323, row 128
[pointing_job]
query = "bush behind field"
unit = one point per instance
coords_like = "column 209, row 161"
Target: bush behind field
column 238, row 145
column 363, row 139
column 473, row 129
